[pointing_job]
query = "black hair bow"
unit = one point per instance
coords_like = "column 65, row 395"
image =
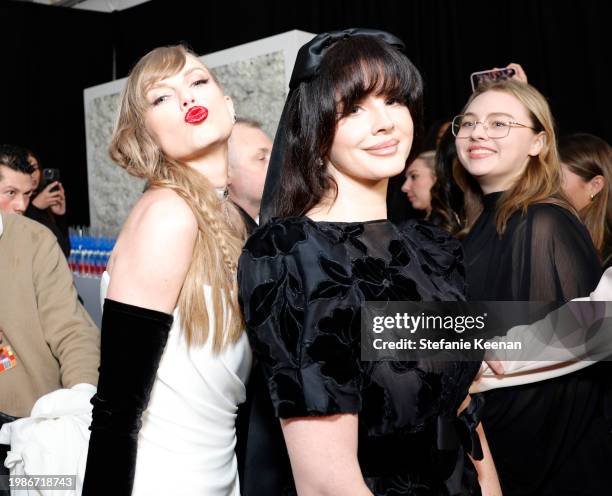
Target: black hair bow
column 309, row 56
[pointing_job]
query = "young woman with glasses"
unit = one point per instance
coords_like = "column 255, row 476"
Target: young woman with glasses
column 523, row 242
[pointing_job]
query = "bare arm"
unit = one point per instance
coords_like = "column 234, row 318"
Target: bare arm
column 323, row 454
column 153, row 252
column 487, row 474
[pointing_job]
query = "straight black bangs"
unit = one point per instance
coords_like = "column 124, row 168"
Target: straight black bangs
column 356, row 67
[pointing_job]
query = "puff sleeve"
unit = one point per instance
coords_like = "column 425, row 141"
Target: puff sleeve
column 303, row 329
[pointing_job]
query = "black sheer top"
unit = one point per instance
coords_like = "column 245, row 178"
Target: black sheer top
column 302, row 284
column 545, row 255
column 548, row 438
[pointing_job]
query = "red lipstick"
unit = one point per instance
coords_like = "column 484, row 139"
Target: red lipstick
column 196, row 114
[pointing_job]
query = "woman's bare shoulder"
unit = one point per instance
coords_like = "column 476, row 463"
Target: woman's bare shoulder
column 154, row 250
column 164, row 207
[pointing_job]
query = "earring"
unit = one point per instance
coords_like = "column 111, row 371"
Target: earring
column 222, row 193
column 319, row 161
column 592, row 196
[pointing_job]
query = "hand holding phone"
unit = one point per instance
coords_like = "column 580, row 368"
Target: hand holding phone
column 51, row 196
column 50, row 176
column 519, row 72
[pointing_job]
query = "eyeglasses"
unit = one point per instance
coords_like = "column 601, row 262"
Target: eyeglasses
column 495, row 128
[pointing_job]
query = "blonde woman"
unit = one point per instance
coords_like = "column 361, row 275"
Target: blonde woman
column 522, row 242
column 174, row 356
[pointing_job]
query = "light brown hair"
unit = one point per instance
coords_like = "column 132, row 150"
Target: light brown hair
column 540, row 182
column 588, row 156
column 220, row 230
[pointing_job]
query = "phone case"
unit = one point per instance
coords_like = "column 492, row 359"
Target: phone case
column 477, row 77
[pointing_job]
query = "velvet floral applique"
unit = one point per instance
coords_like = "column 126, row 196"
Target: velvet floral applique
column 276, row 238
column 281, row 295
column 346, row 233
column 302, row 288
column 399, row 254
column 337, row 345
column 337, row 283
column 378, row 281
column 375, row 279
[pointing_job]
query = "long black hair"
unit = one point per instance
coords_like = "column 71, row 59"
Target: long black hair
column 351, row 69
column 447, row 210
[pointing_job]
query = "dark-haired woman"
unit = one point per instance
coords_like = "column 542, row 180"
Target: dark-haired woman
column 446, row 195
column 525, row 243
column 430, row 186
column 352, row 427
column 420, row 177
column 48, row 205
column 586, row 162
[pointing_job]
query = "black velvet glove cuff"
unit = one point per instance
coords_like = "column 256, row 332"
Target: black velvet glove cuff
column 132, row 343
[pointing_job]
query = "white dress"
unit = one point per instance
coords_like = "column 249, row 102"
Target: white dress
column 186, row 444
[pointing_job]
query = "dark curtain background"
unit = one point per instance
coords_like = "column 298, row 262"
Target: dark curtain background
column 50, row 55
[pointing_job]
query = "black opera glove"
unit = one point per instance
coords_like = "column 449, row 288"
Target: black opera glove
column 132, row 342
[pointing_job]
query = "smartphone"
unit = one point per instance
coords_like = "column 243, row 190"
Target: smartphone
column 49, row 176
column 494, row 74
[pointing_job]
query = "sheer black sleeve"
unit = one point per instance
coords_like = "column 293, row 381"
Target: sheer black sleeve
column 563, row 263
column 307, row 341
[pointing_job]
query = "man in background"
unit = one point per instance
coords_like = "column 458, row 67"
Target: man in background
column 249, row 154
column 16, row 184
column 47, row 339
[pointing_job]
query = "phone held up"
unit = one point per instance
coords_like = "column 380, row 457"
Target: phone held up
column 494, row 75
column 49, row 176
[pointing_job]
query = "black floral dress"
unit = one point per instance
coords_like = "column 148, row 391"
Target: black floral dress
column 302, row 284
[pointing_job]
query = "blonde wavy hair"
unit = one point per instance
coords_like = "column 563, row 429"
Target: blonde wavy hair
column 540, row 182
column 220, row 229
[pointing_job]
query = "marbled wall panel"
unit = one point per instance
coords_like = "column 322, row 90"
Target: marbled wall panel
column 257, row 87
column 112, row 191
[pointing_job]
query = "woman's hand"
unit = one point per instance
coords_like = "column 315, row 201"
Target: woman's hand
column 519, row 73
column 497, row 366
column 487, row 474
column 485, row 468
column 47, row 198
column 60, row 207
